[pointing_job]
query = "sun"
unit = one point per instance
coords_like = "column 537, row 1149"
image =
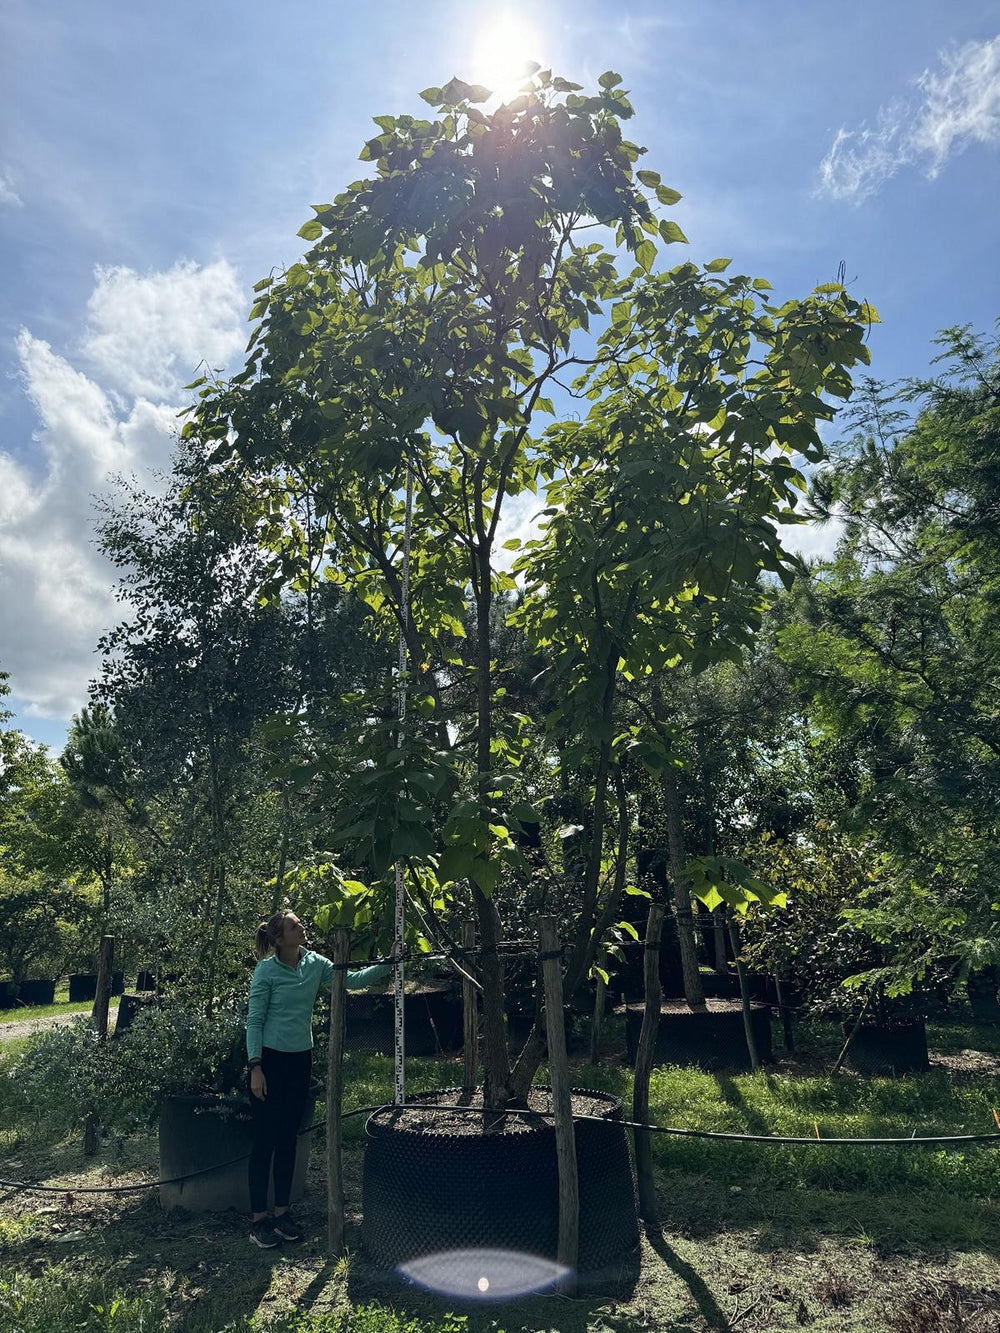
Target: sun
column 502, row 50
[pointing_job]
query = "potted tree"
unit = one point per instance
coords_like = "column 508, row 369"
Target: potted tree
column 410, row 365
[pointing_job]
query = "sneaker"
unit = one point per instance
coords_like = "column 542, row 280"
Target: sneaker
column 286, row 1228
column 264, row 1234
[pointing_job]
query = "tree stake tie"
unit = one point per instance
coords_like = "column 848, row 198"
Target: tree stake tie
column 996, row 1117
column 816, row 1127
column 399, row 973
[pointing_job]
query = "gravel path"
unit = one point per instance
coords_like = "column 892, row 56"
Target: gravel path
column 25, row 1026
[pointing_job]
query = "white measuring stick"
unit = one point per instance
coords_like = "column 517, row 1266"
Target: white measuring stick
column 399, row 977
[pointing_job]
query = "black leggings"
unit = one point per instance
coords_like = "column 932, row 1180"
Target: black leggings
column 276, row 1123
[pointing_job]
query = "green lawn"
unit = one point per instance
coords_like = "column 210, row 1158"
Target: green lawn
column 61, row 1006
column 752, row 1238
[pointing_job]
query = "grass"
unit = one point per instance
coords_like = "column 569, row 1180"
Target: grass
column 21, row 1012
column 752, row 1238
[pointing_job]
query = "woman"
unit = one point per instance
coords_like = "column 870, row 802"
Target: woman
column 279, row 1049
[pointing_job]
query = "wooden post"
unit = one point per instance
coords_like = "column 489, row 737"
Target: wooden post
column 470, row 1017
column 598, row 1020
column 741, row 974
column 850, row 1037
column 340, row 938
column 784, row 1013
column 102, row 1000
column 99, row 1017
column 555, row 1031
column 644, row 1064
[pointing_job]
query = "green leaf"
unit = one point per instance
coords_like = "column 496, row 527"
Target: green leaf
column 432, row 96
column 455, row 862
column 650, row 178
column 609, row 79
column 645, row 253
column 717, row 265
column 311, row 230
column 670, row 232
column 667, row 196
column 486, row 874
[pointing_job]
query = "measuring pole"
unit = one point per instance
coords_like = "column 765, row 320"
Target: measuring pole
column 399, row 977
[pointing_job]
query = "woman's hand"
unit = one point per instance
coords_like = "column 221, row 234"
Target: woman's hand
column 258, row 1083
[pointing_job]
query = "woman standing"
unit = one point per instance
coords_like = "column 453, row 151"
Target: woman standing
column 279, row 1048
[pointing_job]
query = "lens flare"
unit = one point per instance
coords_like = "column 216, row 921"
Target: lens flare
column 501, row 54
column 484, row 1275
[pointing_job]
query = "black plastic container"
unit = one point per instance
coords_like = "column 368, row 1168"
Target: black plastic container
column 888, row 1048
column 712, row 1038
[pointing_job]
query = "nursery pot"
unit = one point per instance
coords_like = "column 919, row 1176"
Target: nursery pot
column 888, row 1048
column 199, row 1132
column 37, row 992
column 83, row 985
column 434, row 1182
column 145, row 980
column 713, row 1037
column 129, row 1006
column 432, row 1016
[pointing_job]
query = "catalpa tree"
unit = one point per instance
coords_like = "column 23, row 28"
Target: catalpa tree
column 482, row 313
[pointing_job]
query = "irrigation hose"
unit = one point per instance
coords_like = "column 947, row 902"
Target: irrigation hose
column 939, row 1140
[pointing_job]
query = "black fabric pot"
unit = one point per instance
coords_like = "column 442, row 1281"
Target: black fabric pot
column 888, row 1048
column 713, row 1038
column 432, row 1022
column 37, row 992
column 129, row 1006
column 82, row 986
column 210, row 1131
column 145, row 981
column 428, row 1191
column 7, row 1000
column 981, row 989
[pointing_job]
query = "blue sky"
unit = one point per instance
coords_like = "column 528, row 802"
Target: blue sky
column 155, row 160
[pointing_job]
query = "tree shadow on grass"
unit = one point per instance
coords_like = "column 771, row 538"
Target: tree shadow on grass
column 708, row 1307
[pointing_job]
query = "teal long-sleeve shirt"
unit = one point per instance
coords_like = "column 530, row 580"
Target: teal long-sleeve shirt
column 282, row 999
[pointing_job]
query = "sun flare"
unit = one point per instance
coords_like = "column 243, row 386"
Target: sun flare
column 502, row 51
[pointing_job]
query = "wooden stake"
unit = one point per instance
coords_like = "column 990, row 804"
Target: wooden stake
column 555, row 1031
column 598, row 1021
column 102, row 999
column 850, row 1037
column 785, row 1013
column 644, row 1063
column 340, row 940
column 470, row 1016
column 741, row 973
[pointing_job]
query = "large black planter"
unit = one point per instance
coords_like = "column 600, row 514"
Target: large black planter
column 145, row 981
column 431, row 1189
column 981, row 989
column 7, row 1000
column 713, row 1037
column 887, row 1049
column 83, row 986
column 211, row 1131
column 129, row 1007
column 432, row 1017
column 37, row 992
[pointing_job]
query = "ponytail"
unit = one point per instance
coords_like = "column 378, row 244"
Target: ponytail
column 269, row 932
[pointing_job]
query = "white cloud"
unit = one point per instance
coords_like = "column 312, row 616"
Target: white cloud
column 957, row 105
column 8, row 195
column 56, row 589
column 148, row 334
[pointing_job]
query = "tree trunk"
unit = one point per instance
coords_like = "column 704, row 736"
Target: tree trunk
column 644, row 1064
column 694, row 992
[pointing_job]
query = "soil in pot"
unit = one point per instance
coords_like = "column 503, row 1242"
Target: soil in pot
column 713, row 1037
column 199, row 1132
column 432, row 1016
column 888, row 1048
column 435, row 1182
